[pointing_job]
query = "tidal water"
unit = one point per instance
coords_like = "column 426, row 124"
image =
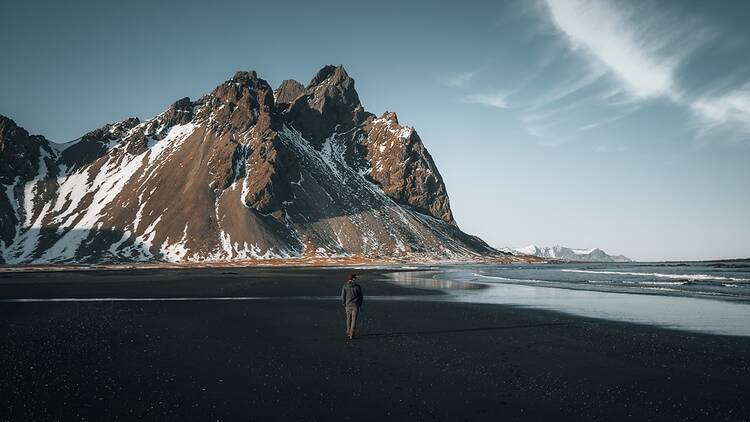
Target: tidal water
column 708, row 297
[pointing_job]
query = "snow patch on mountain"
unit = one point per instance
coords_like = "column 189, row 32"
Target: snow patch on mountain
column 568, row 254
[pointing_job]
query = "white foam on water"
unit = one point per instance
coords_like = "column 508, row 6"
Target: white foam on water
column 494, row 277
column 691, row 277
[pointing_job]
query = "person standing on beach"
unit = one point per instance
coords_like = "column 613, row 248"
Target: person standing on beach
column 351, row 297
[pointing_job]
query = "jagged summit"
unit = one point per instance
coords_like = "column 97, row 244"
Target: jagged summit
column 288, row 91
column 16, row 144
column 330, row 104
column 8, row 125
column 244, row 172
column 389, row 115
column 338, row 72
column 245, row 76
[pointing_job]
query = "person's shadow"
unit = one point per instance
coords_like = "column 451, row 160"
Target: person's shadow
column 459, row 330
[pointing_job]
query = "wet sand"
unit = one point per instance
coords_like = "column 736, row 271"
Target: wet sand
column 284, row 357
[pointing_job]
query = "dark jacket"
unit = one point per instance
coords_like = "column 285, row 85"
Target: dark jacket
column 351, row 294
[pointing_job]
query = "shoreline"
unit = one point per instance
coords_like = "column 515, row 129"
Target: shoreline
column 304, row 262
column 324, row 262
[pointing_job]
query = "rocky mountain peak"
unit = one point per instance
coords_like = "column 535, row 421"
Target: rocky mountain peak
column 10, row 133
column 245, row 76
column 183, row 103
column 14, row 136
column 288, row 91
column 8, row 128
column 332, row 82
column 19, row 151
column 324, row 73
column 389, row 116
column 330, row 105
column 405, row 169
column 179, row 113
column 242, row 82
column 241, row 103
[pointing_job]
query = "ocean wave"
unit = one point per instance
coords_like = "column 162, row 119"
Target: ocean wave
column 609, row 282
column 690, row 277
column 666, row 286
column 697, row 292
column 637, row 283
column 663, row 289
column 494, row 277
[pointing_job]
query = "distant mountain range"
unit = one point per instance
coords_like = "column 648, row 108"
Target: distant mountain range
column 244, row 172
column 568, row 254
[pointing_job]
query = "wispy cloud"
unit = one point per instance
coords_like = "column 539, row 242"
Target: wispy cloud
column 496, row 99
column 459, row 80
column 604, row 33
column 610, row 119
column 569, row 88
column 642, row 49
column 732, row 108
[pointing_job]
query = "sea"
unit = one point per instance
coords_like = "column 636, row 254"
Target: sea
column 705, row 297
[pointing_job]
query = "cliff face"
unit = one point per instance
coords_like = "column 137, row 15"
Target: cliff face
column 245, row 172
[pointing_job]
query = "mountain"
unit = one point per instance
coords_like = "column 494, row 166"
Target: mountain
column 569, row 254
column 245, row 172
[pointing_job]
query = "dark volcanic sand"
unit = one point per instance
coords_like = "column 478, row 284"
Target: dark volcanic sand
column 286, row 359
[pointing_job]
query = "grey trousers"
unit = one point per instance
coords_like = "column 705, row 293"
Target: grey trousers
column 351, row 318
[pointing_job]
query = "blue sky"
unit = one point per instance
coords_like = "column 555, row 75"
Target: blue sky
column 623, row 125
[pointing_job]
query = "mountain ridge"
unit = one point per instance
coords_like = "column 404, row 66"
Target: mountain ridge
column 244, row 172
column 569, row 254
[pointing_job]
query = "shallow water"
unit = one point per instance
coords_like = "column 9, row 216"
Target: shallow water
column 632, row 293
column 725, row 280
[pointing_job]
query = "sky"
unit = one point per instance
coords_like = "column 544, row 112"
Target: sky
column 623, row 125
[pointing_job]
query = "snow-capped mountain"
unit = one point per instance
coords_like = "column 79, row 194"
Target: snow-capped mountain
column 569, row 254
column 245, row 172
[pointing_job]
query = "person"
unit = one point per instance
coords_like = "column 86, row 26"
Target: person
column 351, row 297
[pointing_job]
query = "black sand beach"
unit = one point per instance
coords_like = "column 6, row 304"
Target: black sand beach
column 285, row 357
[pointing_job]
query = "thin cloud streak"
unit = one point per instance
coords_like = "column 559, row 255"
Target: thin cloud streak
column 568, row 89
column 496, row 99
column 732, row 108
column 632, row 46
column 459, row 80
column 611, row 119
